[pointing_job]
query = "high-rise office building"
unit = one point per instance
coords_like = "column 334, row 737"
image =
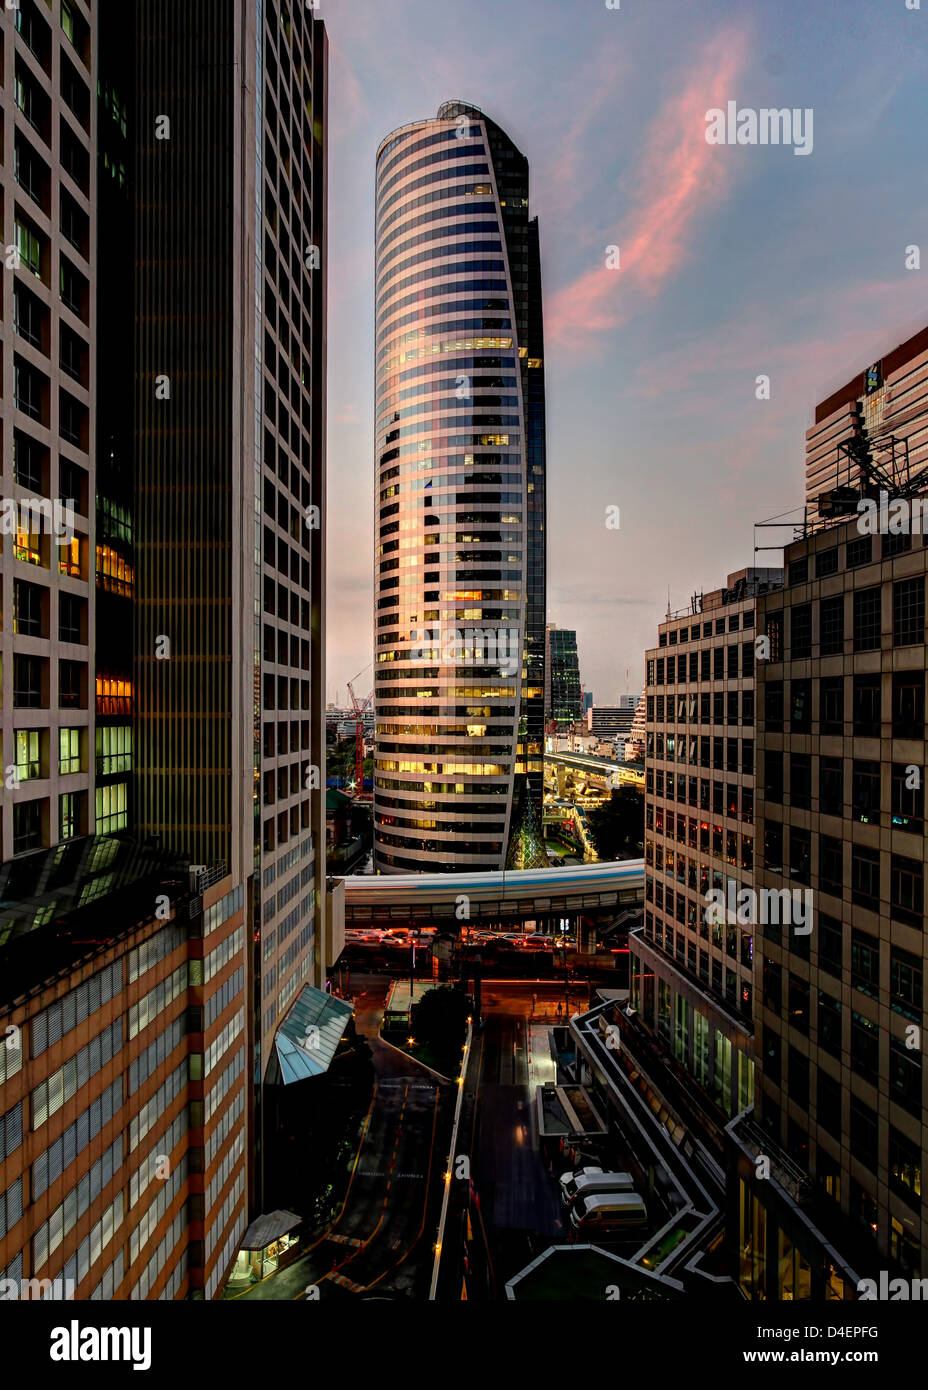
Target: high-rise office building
column 840, row 819
column 152, row 969
column 459, row 636
column 692, row 970
column 563, row 703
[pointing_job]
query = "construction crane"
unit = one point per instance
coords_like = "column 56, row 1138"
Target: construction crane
column 360, row 708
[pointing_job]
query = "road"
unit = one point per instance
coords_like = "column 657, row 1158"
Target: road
column 381, row 1243
column 512, row 1211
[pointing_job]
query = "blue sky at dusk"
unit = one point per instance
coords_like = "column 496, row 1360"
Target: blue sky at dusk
column 734, row 261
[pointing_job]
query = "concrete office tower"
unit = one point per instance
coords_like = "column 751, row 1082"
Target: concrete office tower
column 871, row 431
column 563, row 704
column 147, row 1031
column 231, row 350
column 49, row 423
column 692, row 978
column 840, row 1012
column 459, row 634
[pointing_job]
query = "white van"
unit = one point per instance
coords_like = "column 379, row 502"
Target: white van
column 608, row 1211
column 591, row 1184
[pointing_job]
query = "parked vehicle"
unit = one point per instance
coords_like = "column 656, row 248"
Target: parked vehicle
column 608, row 1211
column 573, row 1173
column 592, row 1184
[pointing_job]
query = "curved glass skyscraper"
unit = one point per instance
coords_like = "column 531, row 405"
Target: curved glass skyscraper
column 459, row 625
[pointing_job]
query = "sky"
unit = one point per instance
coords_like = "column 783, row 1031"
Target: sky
column 735, row 261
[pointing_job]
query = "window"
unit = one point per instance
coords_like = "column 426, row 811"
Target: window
column 831, row 616
column 907, row 890
column 773, row 706
column 27, row 754
column 800, row 780
column 867, row 619
column 829, row 1103
column 28, row 246
column 69, row 558
column 905, row 1076
column 831, row 865
column 909, row 611
column 801, row 631
column 865, row 963
column 829, row 1023
column 772, row 986
column 773, row 775
column 27, row 681
column 27, row 609
column 114, row 748
column 905, row 1168
column 830, row 786
column 865, row 877
column 905, row 984
column 831, row 944
column 831, row 705
column 27, row 826
column 859, row 552
column 67, row 20
column 826, row 562
column 797, row 571
column 30, row 390
column 867, row 710
column 865, row 792
column 800, row 854
column 70, row 682
column 799, row 1003
column 69, row 751
column 68, row 815
column 908, row 704
column 801, row 706
column 865, row 1047
column 30, row 317
column 112, row 808
column 908, row 798
column 70, row 612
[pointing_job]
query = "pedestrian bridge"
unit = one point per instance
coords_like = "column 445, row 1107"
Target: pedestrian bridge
column 494, row 896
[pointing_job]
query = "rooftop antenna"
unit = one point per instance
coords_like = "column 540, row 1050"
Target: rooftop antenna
column 668, row 600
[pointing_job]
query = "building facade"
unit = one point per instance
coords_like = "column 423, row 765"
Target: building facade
column 146, row 1025
column 692, row 969
column 563, row 703
column 459, row 638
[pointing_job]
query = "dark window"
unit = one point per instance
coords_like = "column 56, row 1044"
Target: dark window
column 829, row 1103
column 801, row 631
column 865, row 877
column 831, row 942
column 27, row 609
column 772, row 986
column 826, row 562
column 70, row 612
column 867, row 706
column 798, row 1078
column 865, row 963
column 865, row 1047
column 909, row 611
column 905, row 1076
column 27, row 826
column 829, row 1023
column 831, row 617
column 799, row 1003
column 905, row 983
column 773, row 706
column 908, row 704
column 797, row 571
column 800, row 706
column 908, row 798
column 831, row 865
column 831, row 705
column 867, row 619
column 905, row 1168
column 800, row 780
column 773, row 1052
column 859, row 552
column 906, row 890
column 831, row 786
column 865, row 792
column 27, row 681
column 863, row 1130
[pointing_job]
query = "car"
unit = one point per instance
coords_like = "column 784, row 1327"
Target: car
column 594, row 1184
column 530, row 944
column 609, row 1211
column 573, row 1174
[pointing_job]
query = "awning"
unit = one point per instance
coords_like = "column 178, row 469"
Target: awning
column 266, row 1229
column 307, row 1039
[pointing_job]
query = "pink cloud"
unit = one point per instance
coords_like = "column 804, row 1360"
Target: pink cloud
column 677, row 175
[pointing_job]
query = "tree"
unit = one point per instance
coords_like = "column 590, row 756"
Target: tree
column 440, row 1017
column 617, row 827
